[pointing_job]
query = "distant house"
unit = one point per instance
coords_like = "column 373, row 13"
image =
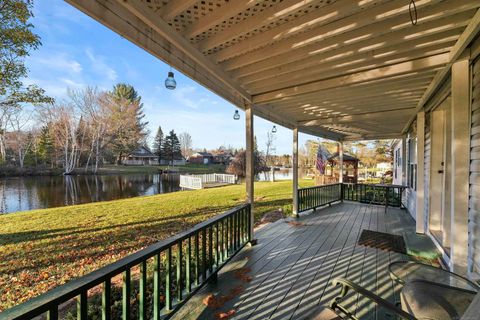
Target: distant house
column 140, row 157
column 176, row 162
column 201, row 158
column 222, row 158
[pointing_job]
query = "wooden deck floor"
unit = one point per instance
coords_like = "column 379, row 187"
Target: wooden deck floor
column 292, row 266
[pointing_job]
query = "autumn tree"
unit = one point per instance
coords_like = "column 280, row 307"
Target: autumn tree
column 239, row 164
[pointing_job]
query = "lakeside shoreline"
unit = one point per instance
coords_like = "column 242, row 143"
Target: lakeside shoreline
column 13, row 171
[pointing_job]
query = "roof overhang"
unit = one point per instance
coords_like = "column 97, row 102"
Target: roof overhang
column 343, row 70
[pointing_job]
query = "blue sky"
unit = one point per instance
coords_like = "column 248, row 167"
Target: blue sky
column 77, row 51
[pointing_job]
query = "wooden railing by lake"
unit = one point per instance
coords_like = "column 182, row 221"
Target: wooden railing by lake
column 201, row 181
column 315, row 197
column 176, row 268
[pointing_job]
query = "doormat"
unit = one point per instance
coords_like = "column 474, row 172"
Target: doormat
column 383, row 241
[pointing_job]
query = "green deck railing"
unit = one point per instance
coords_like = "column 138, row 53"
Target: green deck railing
column 315, row 197
column 172, row 270
column 387, row 195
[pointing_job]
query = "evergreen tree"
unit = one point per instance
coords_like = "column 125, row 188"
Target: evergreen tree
column 157, row 144
column 127, row 116
column 45, row 145
column 171, row 148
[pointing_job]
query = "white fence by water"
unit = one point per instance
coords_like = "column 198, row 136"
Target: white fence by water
column 200, row 181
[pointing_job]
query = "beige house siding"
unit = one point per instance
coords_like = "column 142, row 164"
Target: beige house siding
column 426, row 173
column 474, row 197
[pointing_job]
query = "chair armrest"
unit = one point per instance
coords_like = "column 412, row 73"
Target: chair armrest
column 347, row 285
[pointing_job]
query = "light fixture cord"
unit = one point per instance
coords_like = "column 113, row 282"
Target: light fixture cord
column 412, row 10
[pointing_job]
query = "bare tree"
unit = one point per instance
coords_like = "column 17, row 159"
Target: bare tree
column 270, row 149
column 94, row 111
column 22, row 140
column 64, row 124
column 185, row 143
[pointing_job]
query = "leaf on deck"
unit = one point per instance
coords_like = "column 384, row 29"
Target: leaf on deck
column 215, row 302
column 241, row 274
column 225, row 315
column 296, row 223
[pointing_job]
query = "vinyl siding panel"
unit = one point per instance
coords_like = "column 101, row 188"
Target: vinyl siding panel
column 474, row 179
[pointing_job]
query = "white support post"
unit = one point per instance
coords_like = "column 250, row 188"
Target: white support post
column 460, row 119
column 295, row 171
column 404, row 160
column 340, row 161
column 420, row 200
column 249, row 167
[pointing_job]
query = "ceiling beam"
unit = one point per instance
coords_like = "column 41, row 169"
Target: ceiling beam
column 364, row 105
column 365, row 89
column 326, row 100
column 374, row 74
column 140, row 10
column 381, row 136
column 355, row 117
column 175, row 7
column 358, row 91
column 217, row 16
column 330, row 70
column 472, row 29
column 354, row 55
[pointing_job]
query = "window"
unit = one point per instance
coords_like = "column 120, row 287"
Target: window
column 412, row 163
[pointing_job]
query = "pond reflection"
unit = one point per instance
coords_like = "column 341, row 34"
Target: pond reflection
column 27, row 193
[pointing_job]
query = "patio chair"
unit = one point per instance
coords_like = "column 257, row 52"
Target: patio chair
column 420, row 299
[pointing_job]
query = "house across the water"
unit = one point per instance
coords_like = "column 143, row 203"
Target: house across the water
column 140, row 157
column 201, row 158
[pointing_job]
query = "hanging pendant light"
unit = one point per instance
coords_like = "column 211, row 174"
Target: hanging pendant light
column 274, row 129
column 170, row 82
column 236, row 116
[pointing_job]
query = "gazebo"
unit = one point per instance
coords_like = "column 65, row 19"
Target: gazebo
column 350, row 166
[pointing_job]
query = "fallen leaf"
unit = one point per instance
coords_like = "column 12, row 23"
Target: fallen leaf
column 225, row 315
column 295, row 223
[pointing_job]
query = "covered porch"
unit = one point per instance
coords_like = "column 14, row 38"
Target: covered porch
column 289, row 272
column 341, row 70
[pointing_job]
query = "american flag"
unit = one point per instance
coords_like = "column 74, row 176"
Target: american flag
column 321, row 162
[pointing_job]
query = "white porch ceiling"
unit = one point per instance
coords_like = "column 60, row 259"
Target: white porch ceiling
column 340, row 69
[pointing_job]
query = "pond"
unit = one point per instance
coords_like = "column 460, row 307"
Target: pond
column 28, row 193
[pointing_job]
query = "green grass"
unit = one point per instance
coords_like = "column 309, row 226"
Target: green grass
column 41, row 249
column 188, row 168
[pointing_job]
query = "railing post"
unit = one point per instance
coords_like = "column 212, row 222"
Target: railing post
column 250, row 170
column 340, row 161
column 295, row 171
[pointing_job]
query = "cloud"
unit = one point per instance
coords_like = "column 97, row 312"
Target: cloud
column 56, row 61
column 186, row 96
column 100, row 67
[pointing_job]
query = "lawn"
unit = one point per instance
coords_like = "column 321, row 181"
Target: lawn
column 41, row 249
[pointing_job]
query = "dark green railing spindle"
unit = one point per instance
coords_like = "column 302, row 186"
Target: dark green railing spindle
column 126, row 293
column 107, row 299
